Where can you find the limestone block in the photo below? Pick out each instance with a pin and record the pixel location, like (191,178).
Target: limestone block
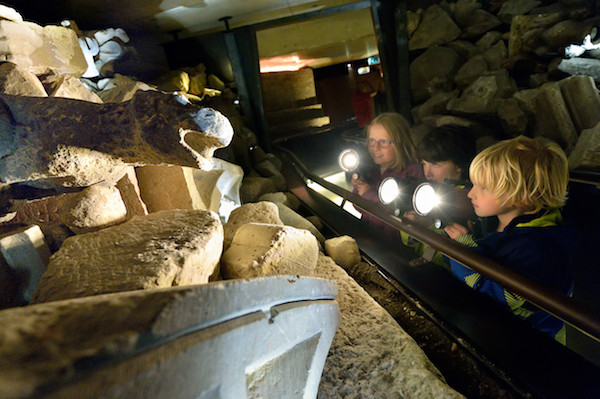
(567,32)
(495,56)
(581,66)
(523,27)
(370,353)
(553,120)
(17,42)
(286,198)
(10,14)
(198,82)
(41,210)
(481,96)
(291,218)
(478,23)
(436,28)
(104,35)
(343,250)
(512,118)
(162,249)
(19,81)
(174,81)
(464,48)
(25,253)
(285,89)
(52,151)
(510,8)
(165,187)
(260,249)
(470,71)
(433,72)
(255,186)
(488,40)
(93,208)
(144,343)
(215,82)
(108,51)
(583,100)
(267,169)
(129,188)
(527,100)
(463,9)
(435,105)
(257,212)
(228,184)
(70,87)
(586,153)
(121,88)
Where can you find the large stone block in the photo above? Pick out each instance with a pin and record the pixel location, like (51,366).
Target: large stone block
(174,343)
(553,120)
(260,249)
(18,81)
(47,147)
(162,249)
(258,212)
(371,356)
(343,250)
(26,254)
(586,153)
(583,100)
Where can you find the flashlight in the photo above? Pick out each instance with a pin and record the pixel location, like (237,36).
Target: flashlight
(445,202)
(349,160)
(397,192)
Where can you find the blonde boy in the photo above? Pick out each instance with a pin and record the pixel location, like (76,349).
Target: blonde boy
(523,183)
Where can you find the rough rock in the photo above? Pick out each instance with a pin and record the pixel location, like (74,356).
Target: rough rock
(583,100)
(370,354)
(19,81)
(436,28)
(433,72)
(343,251)
(257,212)
(586,153)
(93,208)
(70,87)
(162,249)
(253,187)
(260,249)
(47,145)
(294,219)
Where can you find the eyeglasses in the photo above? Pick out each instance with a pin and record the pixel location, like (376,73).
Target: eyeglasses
(380,143)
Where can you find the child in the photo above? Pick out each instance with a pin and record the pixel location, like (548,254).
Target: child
(522,182)
(445,152)
(394,154)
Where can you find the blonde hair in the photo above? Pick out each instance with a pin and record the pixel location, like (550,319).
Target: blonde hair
(398,128)
(522,171)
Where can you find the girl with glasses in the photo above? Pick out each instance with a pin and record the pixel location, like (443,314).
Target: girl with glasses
(394,154)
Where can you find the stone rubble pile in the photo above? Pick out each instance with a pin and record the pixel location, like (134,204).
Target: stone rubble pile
(503,68)
(116,204)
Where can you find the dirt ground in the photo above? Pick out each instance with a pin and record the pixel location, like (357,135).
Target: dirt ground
(463,371)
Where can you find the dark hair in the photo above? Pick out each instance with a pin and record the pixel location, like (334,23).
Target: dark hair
(449,143)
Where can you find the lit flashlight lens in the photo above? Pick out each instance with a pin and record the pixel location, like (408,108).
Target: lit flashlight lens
(388,190)
(348,160)
(425,199)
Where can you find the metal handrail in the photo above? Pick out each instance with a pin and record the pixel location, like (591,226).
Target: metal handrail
(560,306)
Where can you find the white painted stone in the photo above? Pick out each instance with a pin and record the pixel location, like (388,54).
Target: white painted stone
(290,322)
(260,249)
(371,356)
(89,48)
(258,212)
(26,253)
(343,250)
(162,249)
(94,207)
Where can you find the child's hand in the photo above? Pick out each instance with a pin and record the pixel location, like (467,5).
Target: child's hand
(360,185)
(455,230)
(414,218)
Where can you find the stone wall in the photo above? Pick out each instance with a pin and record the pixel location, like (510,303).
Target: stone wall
(503,68)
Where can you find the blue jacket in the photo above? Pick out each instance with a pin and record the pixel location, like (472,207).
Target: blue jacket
(539,247)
